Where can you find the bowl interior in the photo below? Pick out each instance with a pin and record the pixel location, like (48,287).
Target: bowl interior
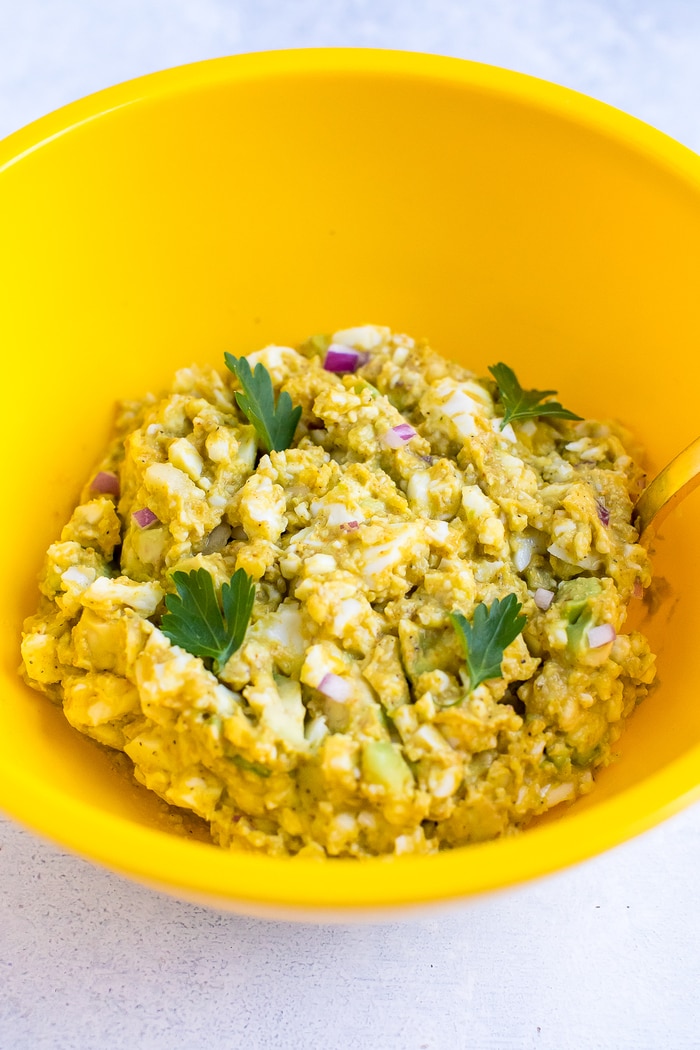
(261,199)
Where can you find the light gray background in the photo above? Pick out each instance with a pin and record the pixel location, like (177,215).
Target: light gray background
(603,956)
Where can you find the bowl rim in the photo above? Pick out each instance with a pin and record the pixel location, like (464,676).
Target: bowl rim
(204,872)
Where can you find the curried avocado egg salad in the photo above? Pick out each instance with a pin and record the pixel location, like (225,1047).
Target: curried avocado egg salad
(350,599)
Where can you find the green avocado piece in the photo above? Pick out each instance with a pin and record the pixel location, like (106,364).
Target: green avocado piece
(578,590)
(315,346)
(250,767)
(382,764)
(149,545)
(576,605)
(425,649)
(364,385)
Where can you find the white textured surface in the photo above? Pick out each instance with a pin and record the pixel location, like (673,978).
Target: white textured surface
(640,55)
(604,956)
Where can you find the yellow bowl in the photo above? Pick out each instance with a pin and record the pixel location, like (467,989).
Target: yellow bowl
(264,197)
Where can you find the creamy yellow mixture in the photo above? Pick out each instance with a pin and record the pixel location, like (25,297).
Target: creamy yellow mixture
(361,551)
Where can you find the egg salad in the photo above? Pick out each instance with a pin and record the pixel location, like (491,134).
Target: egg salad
(350,599)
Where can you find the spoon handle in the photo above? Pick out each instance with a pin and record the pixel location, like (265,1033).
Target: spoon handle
(676,481)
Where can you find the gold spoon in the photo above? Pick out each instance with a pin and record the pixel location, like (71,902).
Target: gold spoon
(676,481)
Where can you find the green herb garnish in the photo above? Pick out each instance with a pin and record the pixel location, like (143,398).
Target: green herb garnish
(274,423)
(524,404)
(195,620)
(484,639)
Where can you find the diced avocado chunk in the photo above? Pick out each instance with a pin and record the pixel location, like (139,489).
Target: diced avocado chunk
(576,605)
(149,545)
(425,649)
(315,346)
(577,631)
(364,385)
(382,764)
(579,590)
(249,767)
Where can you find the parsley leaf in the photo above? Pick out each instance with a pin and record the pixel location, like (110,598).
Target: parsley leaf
(484,639)
(524,404)
(194,619)
(275,424)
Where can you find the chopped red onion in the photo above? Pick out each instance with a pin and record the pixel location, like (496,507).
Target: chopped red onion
(601,635)
(335,688)
(106,483)
(144,517)
(543,598)
(398,436)
(603,513)
(349,526)
(638,589)
(344,359)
